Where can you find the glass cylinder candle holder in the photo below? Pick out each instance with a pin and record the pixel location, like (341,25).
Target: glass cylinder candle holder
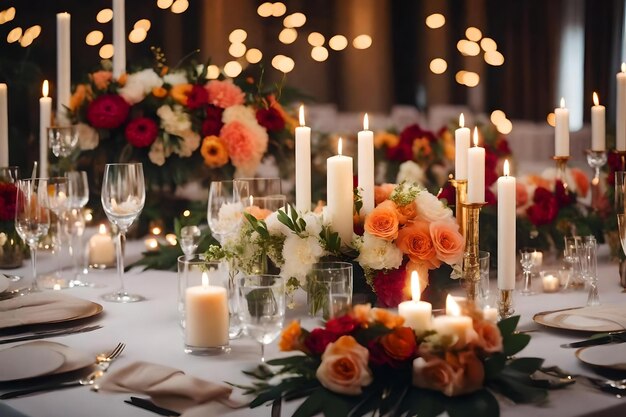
(203,306)
(550,280)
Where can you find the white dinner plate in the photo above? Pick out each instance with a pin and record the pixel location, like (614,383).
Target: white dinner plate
(25,361)
(567,320)
(612,356)
(4,283)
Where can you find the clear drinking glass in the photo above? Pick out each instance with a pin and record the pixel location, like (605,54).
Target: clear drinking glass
(262,187)
(32,217)
(75,221)
(123,197)
(261,207)
(572,255)
(589,264)
(62,140)
(262,307)
(329,288)
(526,260)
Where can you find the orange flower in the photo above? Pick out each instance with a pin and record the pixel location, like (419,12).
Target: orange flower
(447,240)
(164,70)
(290,122)
(387,318)
(81,93)
(421,147)
(159,92)
(414,240)
(344,367)
(386,139)
(102,79)
(361,313)
(471,372)
(122,79)
(432,372)
(407,212)
(400,344)
(449,149)
(290,337)
(539,181)
(179,92)
(383,222)
(581,180)
(214,152)
(258,212)
(383,192)
(489,336)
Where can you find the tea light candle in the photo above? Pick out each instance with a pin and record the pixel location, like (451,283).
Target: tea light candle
(537,258)
(101,248)
(550,283)
(453,323)
(417,314)
(206,315)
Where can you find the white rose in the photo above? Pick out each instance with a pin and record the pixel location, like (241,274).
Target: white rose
(139,85)
(430,209)
(313,223)
(175,78)
(410,172)
(299,254)
(275,227)
(88,137)
(378,253)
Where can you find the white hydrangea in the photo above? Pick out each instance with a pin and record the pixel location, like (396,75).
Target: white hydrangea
(88,137)
(173,119)
(139,85)
(300,254)
(275,227)
(410,172)
(378,253)
(314,223)
(430,208)
(174,78)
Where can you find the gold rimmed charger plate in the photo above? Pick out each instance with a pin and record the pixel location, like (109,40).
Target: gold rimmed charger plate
(611,356)
(549,319)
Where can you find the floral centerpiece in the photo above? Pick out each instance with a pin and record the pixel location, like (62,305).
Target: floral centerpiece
(367,362)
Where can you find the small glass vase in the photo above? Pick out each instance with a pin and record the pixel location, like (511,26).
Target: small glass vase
(329,289)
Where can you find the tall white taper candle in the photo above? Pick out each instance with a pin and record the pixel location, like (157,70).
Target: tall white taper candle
(45,111)
(366,166)
(64,67)
(119,38)
(561,130)
(303,165)
(476,176)
(340,197)
(506,230)
(461,145)
(4,126)
(598,125)
(620,109)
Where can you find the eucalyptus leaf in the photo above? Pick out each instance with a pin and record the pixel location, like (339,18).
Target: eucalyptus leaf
(514,343)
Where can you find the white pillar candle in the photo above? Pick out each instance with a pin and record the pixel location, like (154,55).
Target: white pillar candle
(366,166)
(453,324)
(119,38)
(303,165)
(461,145)
(620,109)
(64,68)
(340,195)
(4,126)
(598,125)
(101,248)
(506,230)
(561,130)
(476,176)
(45,112)
(417,314)
(206,315)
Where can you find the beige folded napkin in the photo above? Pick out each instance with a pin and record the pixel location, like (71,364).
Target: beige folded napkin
(42,307)
(611,312)
(168,387)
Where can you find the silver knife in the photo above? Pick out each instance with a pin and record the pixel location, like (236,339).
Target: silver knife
(49,333)
(617,337)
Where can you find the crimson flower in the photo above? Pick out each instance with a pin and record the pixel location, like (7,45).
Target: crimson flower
(212,125)
(389,287)
(8,195)
(545,207)
(141,132)
(109,111)
(197,97)
(562,194)
(270,119)
(318,340)
(341,325)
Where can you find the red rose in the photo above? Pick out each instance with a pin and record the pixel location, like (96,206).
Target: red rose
(212,125)
(108,111)
(341,325)
(141,132)
(502,146)
(449,194)
(563,196)
(389,287)
(378,357)
(197,97)
(8,195)
(403,151)
(545,207)
(318,340)
(270,119)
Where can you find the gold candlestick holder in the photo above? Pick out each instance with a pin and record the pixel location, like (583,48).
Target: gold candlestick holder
(561,166)
(461,197)
(505,304)
(471,257)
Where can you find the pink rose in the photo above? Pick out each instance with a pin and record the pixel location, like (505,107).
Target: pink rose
(436,374)
(448,242)
(344,367)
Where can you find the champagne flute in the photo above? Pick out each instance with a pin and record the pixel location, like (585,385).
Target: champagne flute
(32,217)
(123,197)
(262,307)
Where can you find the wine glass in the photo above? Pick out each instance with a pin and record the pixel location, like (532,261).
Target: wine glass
(123,197)
(263,187)
(32,217)
(262,307)
(189,239)
(78,186)
(527,261)
(62,140)
(57,202)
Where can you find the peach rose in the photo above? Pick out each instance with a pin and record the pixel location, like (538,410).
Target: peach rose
(407,212)
(447,240)
(344,367)
(489,337)
(383,192)
(581,181)
(387,318)
(258,212)
(383,222)
(362,313)
(436,374)
(472,375)
(415,241)
(521,195)
(399,344)
(290,337)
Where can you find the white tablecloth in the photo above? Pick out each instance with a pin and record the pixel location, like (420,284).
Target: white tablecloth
(151,332)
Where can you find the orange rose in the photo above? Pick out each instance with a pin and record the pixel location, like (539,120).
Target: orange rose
(81,93)
(387,318)
(472,372)
(436,374)
(415,241)
(521,194)
(400,344)
(581,181)
(362,313)
(407,212)
(447,240)
(122,79)
(383,222)
(179,92)
(383,192)
(258,212)
(159,92)
(386,139)
(344,367)
(290,337)
(489,337)
(102,79)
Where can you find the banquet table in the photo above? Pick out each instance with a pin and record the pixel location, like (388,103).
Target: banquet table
(152,333)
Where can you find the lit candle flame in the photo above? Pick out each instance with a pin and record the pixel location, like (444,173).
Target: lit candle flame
(156,230)
(461,120)
(623,66)
(102,229)
(415,286)
(302,115)
(205,279)
(366,122)
(506,168)
(562,102)
(452,307)
(45,88)
(339,147)
(596,100)
(153,244)
(475,136)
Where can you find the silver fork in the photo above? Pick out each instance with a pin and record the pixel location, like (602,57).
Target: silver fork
(103,361)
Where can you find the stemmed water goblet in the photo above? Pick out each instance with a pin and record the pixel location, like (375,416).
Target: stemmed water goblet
(527,261)
(123,197)
(32,217)
(262,307)
(62,140)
